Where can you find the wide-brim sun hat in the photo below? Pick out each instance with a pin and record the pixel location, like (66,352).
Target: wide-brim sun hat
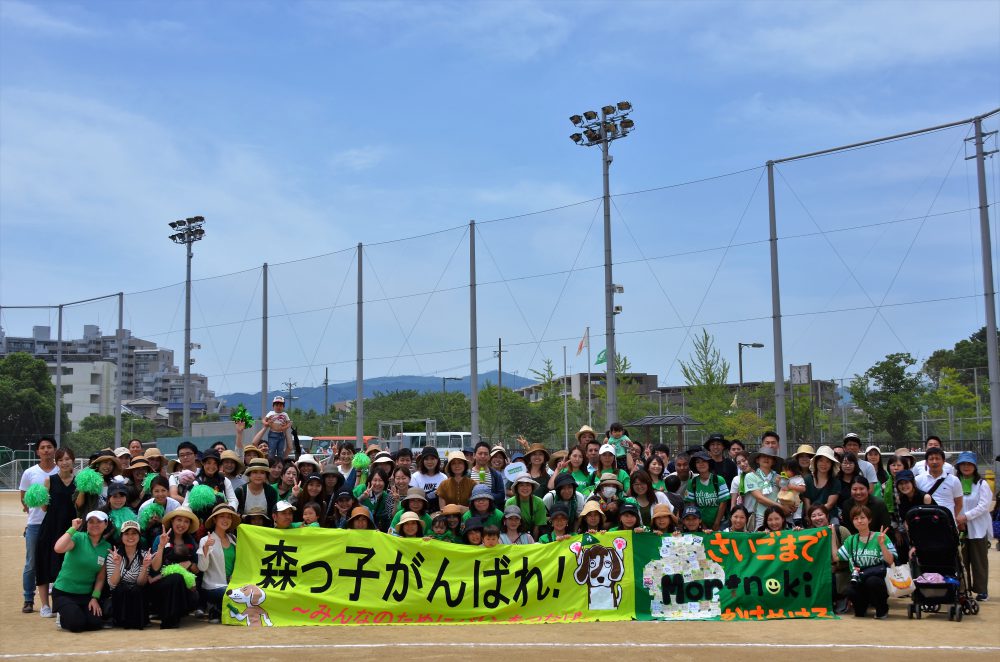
(523,478)
(538,448)
(804,449)
(555,458)
(182,511)
(716,437)
(827,452)
(511,511)
(583,430)
(457,456)
(410,516)
(361,511)
(452,509)
(499,450)
(414,493)
(766,451)
(106,455)
(564,479)
(257,464)
(307,458)
(661,510)
(138,462)
(610,479)
(223,509)
(253,450)
(966,457)
(481,491)
(591,507)
(231,455)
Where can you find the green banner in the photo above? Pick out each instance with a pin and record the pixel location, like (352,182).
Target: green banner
(313,576)
(733,576)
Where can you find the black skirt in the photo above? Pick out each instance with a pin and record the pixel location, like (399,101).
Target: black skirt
(128,606)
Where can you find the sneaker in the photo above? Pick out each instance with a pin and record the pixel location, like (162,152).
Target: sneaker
(28,607)
(881,616)
(198,613)
(982,597)
(46,612)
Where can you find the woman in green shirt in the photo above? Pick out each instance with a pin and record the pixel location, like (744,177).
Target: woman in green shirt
(77,591)
(533,511)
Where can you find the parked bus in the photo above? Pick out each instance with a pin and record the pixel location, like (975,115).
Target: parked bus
(445,441)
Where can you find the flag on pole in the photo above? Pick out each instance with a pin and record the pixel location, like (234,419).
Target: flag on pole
(602,357)
(584,342)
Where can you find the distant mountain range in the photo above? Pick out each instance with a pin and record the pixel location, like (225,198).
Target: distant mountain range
(311,397)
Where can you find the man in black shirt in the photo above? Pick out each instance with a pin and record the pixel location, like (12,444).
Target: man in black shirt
(719,463)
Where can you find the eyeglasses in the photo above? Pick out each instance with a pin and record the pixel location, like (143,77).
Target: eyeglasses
(185,454)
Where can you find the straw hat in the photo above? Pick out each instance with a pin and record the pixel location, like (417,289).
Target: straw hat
(106,455)
(257,464)
(138,462)
(373,448)
(557,457)
(827,452)
(361,511)
(804,449)
(591,507)
(457,456)
(537,448)
(414,493)
(231,455)
(182,511)
(583,429)
(453,509)
(410,516)
(253,450)
(499,450)
(222,509)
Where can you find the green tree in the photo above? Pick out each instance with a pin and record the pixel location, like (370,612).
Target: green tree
(890,394)
(97,432)
(966,354)
(27,401)
(953,400)
(706,374)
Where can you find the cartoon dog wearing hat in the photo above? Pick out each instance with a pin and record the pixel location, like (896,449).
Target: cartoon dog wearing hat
(600,568)
(250,595)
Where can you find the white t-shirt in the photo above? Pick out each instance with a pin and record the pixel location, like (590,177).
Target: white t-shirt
(921,468)
(171,504)
(35,476)
(945,494)
(428,483)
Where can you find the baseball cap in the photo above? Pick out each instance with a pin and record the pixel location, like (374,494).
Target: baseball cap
(690,511)
(278,399)
(282,506)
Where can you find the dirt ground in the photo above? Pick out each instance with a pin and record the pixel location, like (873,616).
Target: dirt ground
(25,636)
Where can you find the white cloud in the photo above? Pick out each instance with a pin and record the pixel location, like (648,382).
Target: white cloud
(359,158)
(828,38)
(35,18)
(517,30)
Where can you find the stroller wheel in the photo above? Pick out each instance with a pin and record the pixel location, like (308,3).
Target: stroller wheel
(951,613)
(919,610)
(973,607)
(958,615)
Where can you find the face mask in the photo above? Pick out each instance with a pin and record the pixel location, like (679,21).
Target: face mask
(609,492)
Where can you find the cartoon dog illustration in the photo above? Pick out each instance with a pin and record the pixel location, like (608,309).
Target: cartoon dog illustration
(250,595)
(600,568)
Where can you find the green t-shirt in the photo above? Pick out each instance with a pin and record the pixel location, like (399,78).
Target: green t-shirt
(81,565)
(229,554)
(424,517)
(768,486)
(533,512)
(619,444)
(861,554)
(708,497)
(494,519)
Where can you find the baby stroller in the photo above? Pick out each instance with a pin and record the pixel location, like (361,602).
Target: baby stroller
(935,540)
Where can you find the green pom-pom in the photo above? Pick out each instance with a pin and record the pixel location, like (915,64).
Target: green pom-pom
(149,512)
(174,569)
(89,481)
(120,516)
(147,481)
(36,496)
(241,414)
(201,496)
(361,461)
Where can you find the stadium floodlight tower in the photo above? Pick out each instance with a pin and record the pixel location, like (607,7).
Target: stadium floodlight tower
(187,232)
(612,123)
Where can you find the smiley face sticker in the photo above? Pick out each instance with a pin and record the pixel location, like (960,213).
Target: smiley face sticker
(772,586)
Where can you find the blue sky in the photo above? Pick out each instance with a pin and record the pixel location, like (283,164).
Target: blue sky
(302,128)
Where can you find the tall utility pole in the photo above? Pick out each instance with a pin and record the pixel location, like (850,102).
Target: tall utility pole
(612,123)
(326,394)
(187,232)
(59,369)
(289,385)
(263,344)
(359,404)
(122,353)
(989,294)
(779,358)
(499,354)
(473,338)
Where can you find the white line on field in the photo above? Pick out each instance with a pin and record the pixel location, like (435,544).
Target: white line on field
(499,644)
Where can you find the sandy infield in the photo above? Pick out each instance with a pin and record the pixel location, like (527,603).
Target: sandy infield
(24,636)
